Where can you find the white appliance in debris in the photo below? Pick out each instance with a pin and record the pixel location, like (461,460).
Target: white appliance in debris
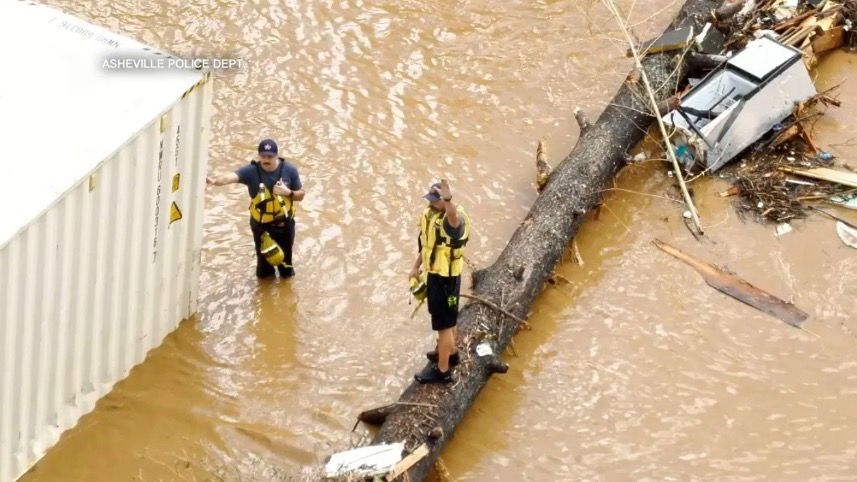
(737,103)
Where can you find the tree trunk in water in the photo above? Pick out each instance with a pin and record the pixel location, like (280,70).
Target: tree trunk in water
(728,9)
(698,61)
(518,275)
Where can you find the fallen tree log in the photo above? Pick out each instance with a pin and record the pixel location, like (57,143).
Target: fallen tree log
(518,275)
(700,61)
(728,9)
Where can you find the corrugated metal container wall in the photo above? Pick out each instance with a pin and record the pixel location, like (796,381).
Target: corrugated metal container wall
(107,269)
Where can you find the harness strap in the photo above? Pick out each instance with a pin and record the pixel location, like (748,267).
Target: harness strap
(291,212)
(430,219)
(286,215)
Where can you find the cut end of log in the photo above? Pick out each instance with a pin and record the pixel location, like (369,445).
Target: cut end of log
(495,365)
(435,433)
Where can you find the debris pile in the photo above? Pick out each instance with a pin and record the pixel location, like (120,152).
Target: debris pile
(736,110)
(765,180)
(768,191)
(812,26)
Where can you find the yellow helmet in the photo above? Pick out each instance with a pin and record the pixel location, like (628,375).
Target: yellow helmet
(271,250)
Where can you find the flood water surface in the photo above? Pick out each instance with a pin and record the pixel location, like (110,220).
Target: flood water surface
(634,369)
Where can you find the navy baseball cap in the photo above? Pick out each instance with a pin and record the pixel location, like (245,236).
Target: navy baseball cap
(434,193)
(268,148)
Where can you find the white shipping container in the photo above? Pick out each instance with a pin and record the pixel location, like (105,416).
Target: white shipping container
(101,204)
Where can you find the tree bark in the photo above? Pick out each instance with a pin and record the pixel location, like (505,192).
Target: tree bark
(696,60)
(728,9)
(574,188)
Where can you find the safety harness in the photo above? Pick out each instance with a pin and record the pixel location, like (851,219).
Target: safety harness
(266,208)
(441,254)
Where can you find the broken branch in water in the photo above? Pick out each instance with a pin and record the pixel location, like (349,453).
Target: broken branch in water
(582,120)
(578,259)
(739,289)
(654,106)
(543,169)
(489,304)
(376,416)
(833,216)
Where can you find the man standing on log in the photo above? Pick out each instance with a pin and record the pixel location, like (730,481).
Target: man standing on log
(444,230)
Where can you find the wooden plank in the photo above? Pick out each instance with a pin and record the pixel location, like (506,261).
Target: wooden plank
(825,174)
(408,462)
(829,40)
(786,135)
(798,36)
(793,22)
(739,289)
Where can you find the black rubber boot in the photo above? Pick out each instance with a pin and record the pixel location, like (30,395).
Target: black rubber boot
(264,270)
(454,359)
(286,272)
(431,374)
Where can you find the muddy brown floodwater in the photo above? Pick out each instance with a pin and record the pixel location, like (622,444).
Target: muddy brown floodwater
(634,369)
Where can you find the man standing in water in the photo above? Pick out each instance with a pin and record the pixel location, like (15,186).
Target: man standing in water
(274,186)
(444,230)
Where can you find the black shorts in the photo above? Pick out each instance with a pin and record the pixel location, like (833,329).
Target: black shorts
(443,300)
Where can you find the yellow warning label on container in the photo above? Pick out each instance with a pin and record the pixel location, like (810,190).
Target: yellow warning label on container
(175,213)
(177,179)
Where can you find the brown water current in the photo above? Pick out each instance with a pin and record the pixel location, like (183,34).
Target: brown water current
(634,369)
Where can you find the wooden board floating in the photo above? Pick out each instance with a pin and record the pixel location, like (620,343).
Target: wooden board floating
(739,289)
(845,178)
